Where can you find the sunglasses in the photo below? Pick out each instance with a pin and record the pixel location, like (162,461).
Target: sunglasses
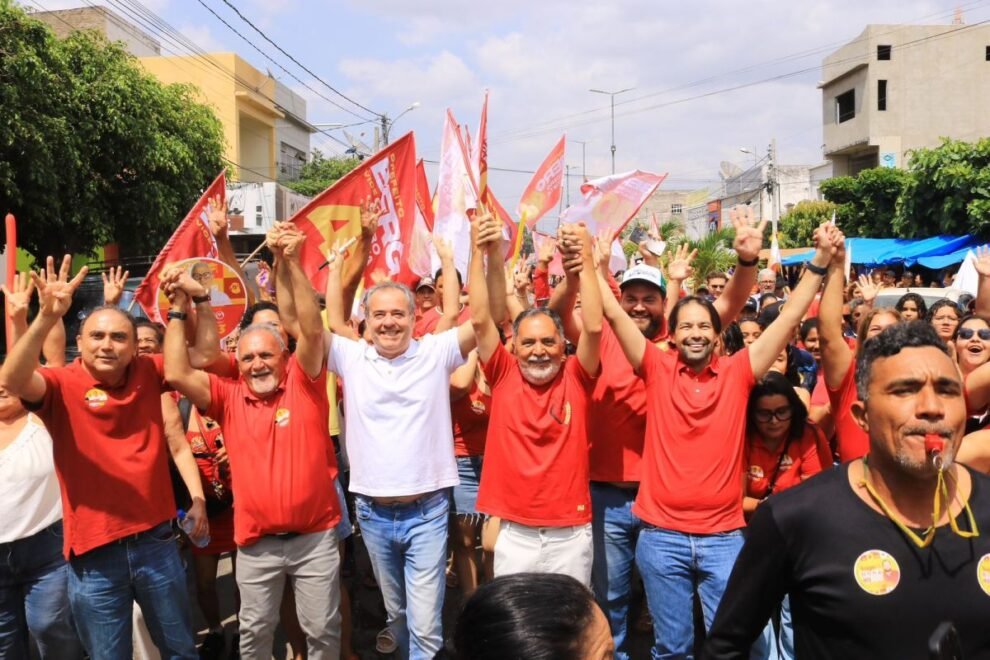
(763,415)
(967,333)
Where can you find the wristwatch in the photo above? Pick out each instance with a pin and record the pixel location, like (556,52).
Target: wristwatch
(750,263)
(173,314)
(821,271)
(199,300)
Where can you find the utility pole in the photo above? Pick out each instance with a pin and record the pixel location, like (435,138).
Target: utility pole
(567,173)
(584,161)
(773,186)
(384,119)
(613,95)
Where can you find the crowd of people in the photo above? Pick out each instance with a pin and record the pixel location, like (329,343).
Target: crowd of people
(551,441)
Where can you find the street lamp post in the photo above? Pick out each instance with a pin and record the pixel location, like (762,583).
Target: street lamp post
(387,123)
(584,162)
(613,95)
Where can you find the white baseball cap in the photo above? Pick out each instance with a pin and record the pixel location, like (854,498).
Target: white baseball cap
(644,273)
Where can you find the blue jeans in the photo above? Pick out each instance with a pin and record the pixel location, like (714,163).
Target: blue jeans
(104,582)
(614,529)
(673,565)
(33,597)
(776,643)
(407,545)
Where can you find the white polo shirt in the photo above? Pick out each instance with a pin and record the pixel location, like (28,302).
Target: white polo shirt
(397,414)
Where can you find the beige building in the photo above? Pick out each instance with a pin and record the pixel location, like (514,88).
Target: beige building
(64,22)
(900,87)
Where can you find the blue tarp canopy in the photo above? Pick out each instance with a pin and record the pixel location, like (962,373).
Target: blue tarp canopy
(935,252)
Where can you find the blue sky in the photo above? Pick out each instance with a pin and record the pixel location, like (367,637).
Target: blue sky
(540,58)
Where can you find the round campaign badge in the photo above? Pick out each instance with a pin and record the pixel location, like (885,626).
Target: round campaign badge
(228,297)
(983,573)
(877,573)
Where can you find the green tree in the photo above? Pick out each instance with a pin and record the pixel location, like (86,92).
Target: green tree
(797,227)
(92,149)
(867,203)
(948,192)
(715,253)
(321,172)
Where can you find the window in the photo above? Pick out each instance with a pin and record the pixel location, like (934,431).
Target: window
(883,52)
(881,95)
(845,106)
(676,209)
(988,54)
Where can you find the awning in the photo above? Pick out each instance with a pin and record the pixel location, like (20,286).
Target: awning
(935,252)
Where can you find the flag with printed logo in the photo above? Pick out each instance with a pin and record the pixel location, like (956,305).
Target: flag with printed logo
(611,201)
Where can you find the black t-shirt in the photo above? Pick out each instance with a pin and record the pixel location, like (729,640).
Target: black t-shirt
(859,588)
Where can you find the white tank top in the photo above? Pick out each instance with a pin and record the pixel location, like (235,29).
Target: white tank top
(30,499)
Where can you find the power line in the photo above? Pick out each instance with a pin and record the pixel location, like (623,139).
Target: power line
(297,62)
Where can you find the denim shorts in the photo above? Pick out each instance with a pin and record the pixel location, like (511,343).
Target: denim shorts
(464,501)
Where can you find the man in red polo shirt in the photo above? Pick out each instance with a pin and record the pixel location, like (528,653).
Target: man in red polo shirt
(617,417)
(105,417)
(282,465)
(536,454)
(689,496)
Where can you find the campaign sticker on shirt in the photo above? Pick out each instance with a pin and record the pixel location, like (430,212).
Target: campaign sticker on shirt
(755,472)
(478,407)
(228,297)
(282,416)
(983,573)
(95,398)
(876,572)
(786,461)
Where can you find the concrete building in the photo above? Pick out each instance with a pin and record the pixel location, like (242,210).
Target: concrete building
(292,132)
(900,87)
(64,22)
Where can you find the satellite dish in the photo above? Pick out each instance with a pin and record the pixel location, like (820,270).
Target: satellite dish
(358,148)
(728,170)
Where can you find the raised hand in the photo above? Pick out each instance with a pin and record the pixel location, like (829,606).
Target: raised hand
(371,211)
(489,230)
(544,251)
(603,247)
(18,299)
(574,244)
(216,215)
(178,284)
(114,281)
(749,234)
(291,242)
(521,279)
(273,239)
(982,261)
(444,250)
(55,291)
(679,267)
(867,289)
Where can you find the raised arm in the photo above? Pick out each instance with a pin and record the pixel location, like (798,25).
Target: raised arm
(678,269)
(836,354)
(205,349)
(495,275)
(982,264)
(310,348)
(765,350)
(283,279)
(114,281)
(192,383)
(353,269)
(451,303)
(216,215)
(630,338)
(747,244)
(17,301)
(483,230)
(336,316)
(578,256)
(19,375)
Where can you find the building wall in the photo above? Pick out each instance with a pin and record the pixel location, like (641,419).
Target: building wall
(100,19)
(938,85)
(292,132)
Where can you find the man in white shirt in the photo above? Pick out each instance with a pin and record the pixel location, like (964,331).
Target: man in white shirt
(401,452)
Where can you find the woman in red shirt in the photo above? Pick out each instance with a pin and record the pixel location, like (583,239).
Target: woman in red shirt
(783,449)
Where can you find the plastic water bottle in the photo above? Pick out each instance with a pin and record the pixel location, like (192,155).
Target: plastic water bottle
(188,525)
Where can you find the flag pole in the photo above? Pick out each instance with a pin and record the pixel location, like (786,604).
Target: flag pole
(519,240)
(253,254)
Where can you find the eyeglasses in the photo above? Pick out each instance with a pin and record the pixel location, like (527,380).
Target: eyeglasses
(763,415)
(967,333)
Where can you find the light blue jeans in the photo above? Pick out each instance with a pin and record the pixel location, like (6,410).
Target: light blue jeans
(614,529)
(673,565)
(776,643)
(34,597)
(104,582)
(407,545)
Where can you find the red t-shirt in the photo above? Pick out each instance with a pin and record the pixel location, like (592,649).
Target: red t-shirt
(800,462)
(695,433)
(536,456)
(541,286)
(281,458)
(851,441)
(617,417)
(110,452)
(427,323)
(470,415)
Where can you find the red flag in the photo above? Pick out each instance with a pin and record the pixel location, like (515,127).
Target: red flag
(543,191)
(192,238)
(479,151)
(612,201)
(456,193)
(423,200)
(334,215)
(509,226)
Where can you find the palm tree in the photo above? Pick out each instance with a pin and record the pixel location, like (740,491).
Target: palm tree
(714,254)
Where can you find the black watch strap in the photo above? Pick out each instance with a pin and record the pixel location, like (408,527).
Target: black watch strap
(821,271)
(750,263)
(199,300)
(172,314)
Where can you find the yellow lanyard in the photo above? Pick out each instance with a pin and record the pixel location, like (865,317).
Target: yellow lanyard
(940,488)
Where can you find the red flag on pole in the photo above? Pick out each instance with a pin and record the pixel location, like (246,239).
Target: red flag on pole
(335,214)
(612,201)
(423,200)
(192,238)
(479,151)
(543,191)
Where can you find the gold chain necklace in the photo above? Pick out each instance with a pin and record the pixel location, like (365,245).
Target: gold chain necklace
(940,489)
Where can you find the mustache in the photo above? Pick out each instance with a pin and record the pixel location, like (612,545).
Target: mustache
(538,360)
(942,431)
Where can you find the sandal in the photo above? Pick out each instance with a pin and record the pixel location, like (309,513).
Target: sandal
(385,642)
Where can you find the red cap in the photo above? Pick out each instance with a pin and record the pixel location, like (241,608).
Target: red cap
(934,443)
